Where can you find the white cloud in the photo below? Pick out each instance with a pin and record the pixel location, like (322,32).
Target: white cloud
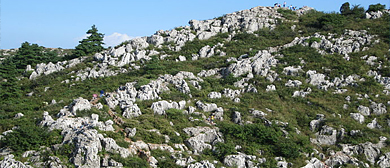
(115,39)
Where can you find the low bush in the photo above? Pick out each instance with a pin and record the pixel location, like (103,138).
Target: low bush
(30,137)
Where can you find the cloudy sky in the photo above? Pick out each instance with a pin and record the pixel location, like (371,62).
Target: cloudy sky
(62,23)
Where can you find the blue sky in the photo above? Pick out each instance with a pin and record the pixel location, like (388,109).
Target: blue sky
(62,23)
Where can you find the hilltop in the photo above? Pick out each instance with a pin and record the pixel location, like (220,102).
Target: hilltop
(263,87)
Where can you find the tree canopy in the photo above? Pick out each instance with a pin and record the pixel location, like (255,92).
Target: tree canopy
(92,44)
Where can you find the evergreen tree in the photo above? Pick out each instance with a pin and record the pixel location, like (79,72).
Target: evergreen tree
(92,44)
(345,9)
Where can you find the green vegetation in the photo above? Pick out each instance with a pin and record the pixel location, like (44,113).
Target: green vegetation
(270,140)
(30,137)
(92,44)
(377,7)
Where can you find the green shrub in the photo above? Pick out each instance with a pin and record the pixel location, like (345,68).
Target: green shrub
(30,137)
(377,7)
(313,39)
(288,14)
(131,162)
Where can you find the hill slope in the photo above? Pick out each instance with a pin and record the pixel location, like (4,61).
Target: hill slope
(262,87)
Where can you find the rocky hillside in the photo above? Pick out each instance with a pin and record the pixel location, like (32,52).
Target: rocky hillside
(264,87)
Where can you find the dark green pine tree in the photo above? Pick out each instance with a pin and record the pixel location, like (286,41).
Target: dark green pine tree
(92,44)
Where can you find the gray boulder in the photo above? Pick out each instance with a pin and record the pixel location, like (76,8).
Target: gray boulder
(293,83)
(79,104)
(202,138)
(384,161)
(314,163)
(202,164)
(364,110)
(160,106)
(378,108)
(214,95)
(326,136)
(9,161)
(358,117)
(236,118)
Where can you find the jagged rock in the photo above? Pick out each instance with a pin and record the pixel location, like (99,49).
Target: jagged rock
(314,163)
(160,106)
(326,136)
(202,164)
(110,145)
(184,161)
(302,93)
(364,110)
(293,83)
(236,118)
(384,161)
(130,132)
(242,160)
(230,93)
(378,108)
(270,88)
(54,162)
(108,162)
(314,124)
(206,107)
(358,117)
(374,15)
(292,71)
(257,113)
(9,161)
(370,151)
(202,138)
(318,79)
(18,115)
(214,95)
(79,104)
(208,73)
(374,124)
(131,110)
(340,158)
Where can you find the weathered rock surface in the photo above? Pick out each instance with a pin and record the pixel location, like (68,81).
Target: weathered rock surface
(242,160)
(202,138)
(9,161)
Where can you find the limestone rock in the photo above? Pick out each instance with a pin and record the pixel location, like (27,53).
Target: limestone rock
(374,124)
(202,164)
(293,83)
(326,136)
(202,137)
(364,110)
(214,95)
(160,106)
(292,71)
(242,160)
(378,108)
(358,117)
(236,118)
(315,163)
(130,132)
(384,161)
(9,161)
(79,104)
(270,88)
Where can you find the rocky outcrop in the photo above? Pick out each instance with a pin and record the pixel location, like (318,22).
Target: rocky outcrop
(202,164)
(242,160)
(9,161)
(326,136)
(46,69)
(314,163)
(377,14)
(202,138)
(160,106)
